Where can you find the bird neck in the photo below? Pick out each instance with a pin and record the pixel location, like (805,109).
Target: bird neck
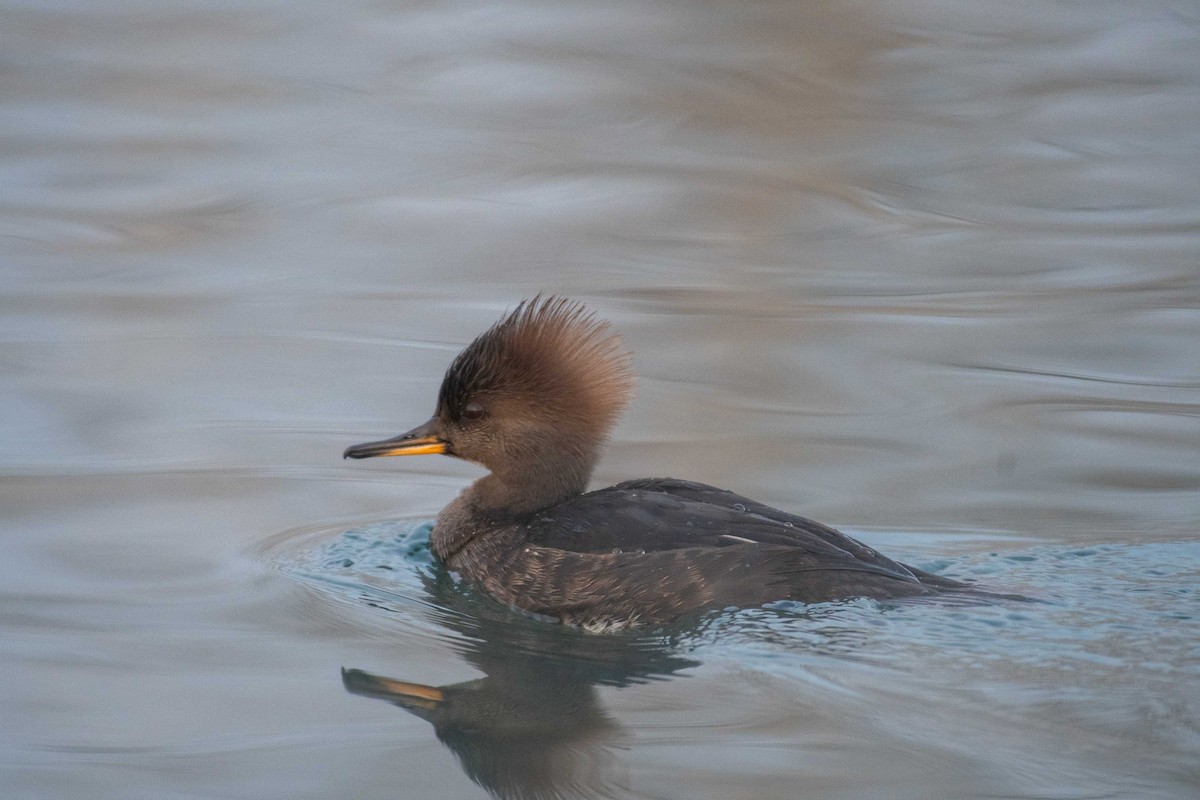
(525,488)
(524,483)
(465,534)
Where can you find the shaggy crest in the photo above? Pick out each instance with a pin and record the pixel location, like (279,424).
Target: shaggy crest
(550,353)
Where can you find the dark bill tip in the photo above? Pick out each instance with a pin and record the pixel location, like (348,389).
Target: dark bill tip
(419,441)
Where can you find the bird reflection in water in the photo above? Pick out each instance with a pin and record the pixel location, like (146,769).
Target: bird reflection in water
(516,739)
(534,726)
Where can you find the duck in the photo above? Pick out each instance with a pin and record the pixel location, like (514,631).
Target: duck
(533,400)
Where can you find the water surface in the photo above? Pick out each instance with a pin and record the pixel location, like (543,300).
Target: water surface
(924,271)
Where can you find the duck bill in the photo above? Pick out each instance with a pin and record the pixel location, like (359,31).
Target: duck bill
(420,441)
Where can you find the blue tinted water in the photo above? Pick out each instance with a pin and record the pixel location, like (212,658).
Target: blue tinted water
(1108,658)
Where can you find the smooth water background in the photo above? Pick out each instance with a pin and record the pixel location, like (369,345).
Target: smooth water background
(928,271)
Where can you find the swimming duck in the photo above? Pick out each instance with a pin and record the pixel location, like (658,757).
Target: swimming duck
(533,399)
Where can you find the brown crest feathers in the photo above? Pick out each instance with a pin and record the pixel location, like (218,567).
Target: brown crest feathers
(550,353)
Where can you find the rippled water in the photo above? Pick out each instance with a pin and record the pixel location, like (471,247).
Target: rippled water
(925,271)
(915,686)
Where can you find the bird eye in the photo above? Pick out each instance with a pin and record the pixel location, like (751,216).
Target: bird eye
(472,411)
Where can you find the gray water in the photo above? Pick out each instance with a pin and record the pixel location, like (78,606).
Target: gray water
(926,271)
